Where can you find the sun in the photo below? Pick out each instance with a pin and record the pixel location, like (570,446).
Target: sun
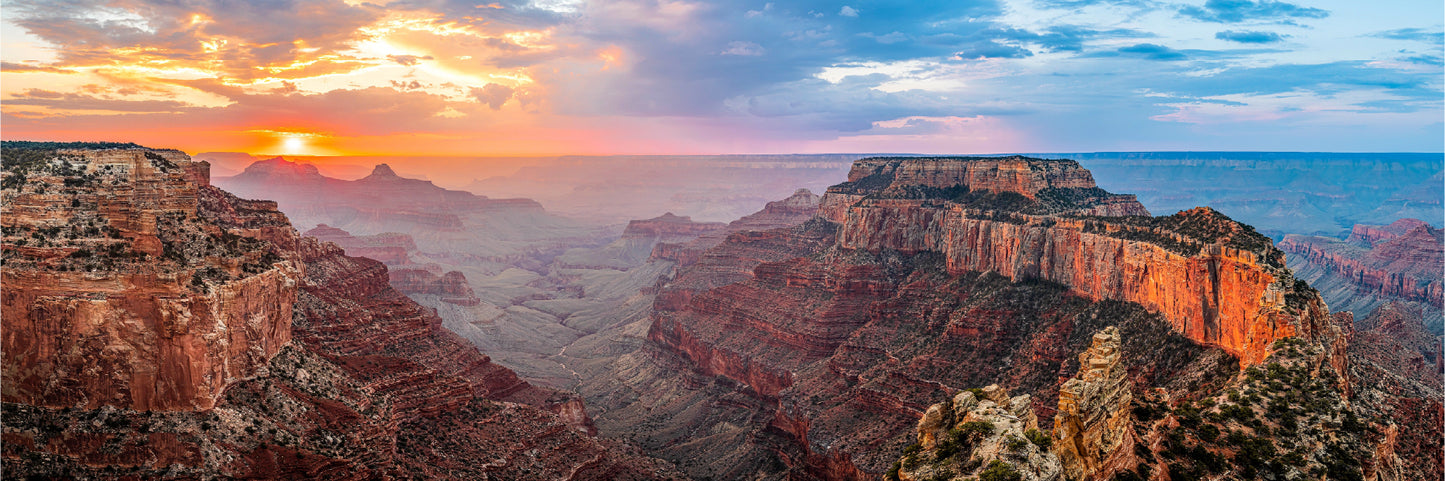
(293,145)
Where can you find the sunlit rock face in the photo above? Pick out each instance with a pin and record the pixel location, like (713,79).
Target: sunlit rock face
(1094,408)
(132,283)
(1217,281)
(898,294)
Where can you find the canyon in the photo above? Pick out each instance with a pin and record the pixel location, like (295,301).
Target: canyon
(926,318)
(283,356)
(794,334)
(1374,266)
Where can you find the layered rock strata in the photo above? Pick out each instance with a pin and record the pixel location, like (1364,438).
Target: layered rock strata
(392,249)
(121,291)
(791,211)
(369,386)
(451,288)
(1034,179)
(1216,281)
(902,293)
(836,352)
(669,228)
(1094,407)
(1398,365)
(1374,266)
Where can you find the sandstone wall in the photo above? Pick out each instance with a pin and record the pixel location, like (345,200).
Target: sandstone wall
(1002,174)
(1222,296)
(1409,272)
(146,335)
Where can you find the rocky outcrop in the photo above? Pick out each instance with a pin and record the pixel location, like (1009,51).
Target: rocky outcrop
(1054,181)
(1093,420)
(788,212)
(669,228)
(1017,174)
(119,291)
(451,288)
(1374,266)
(790,327)
(1217,281)
(791,211)
(369,385)
(976,431)
(1398,364)
(901,294)
(391,248)
(1371,235)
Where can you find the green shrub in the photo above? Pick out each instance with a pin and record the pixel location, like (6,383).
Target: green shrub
(1014,443)
(977,429)
(1039,439)
(892,474)
(1000,471)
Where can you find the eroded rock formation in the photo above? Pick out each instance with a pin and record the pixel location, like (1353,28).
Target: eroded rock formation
(669,228)
(451,288)
(354,381)
(1215,280)
(1398,364)
(788,212)
(1374,266)
(977,431)
(1094,408)
(902,293)
(391,248)
(120,290)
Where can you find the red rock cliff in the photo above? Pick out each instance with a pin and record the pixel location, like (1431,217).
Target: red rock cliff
(1379,262)
(259,354)
(669,228)
(105,304)
(1224,285)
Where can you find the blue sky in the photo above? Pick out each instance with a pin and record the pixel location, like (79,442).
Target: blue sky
(645,76)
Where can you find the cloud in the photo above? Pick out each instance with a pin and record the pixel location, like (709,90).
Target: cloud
(1417,34)
(494,95)
(890,38)
(20,67)
(70,101)
(989,49)
(1079,4)
(1236,11)
(1249,36)
(1325,79)
(747,49)
(408,60)
(236,37)
(1153,52)
(803,69)
(1068,38)
(1425,59)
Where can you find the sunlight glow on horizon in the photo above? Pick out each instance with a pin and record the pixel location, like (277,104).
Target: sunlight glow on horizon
(559,77)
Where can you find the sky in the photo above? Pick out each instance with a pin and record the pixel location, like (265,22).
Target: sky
(548,77)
